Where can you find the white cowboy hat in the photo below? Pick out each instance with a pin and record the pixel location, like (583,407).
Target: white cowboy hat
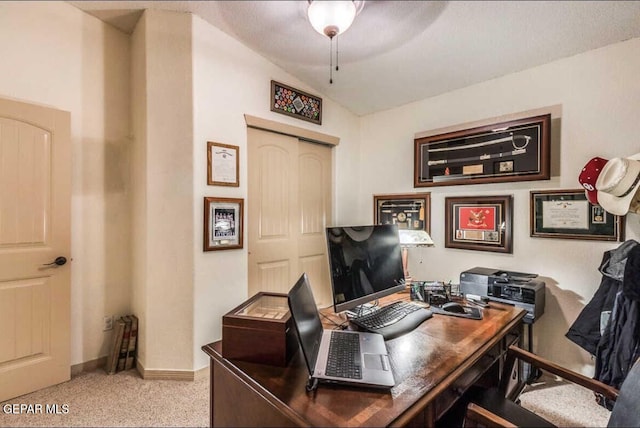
(618,183)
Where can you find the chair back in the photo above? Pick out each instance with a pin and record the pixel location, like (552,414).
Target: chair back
(626,411)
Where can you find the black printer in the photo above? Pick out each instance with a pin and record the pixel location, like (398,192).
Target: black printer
(515,288)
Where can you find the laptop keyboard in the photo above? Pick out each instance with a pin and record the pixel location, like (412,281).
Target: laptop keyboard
(344,356)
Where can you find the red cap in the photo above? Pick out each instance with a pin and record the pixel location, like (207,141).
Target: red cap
(588,178)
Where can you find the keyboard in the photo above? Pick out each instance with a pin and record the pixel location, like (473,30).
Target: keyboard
(394,319)
(344,356)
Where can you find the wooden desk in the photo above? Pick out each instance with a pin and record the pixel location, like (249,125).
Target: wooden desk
(433,366)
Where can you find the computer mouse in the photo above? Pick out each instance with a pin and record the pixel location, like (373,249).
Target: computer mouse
(454,307)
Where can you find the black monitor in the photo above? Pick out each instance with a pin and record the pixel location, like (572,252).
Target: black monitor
(365,263)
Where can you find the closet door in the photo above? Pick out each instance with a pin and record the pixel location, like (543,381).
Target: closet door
(289,205)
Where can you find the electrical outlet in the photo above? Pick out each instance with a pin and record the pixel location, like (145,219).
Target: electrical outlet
(107,323)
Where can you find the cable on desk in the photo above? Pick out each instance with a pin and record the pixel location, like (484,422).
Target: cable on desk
(312,384)
(364,310)
(340,326)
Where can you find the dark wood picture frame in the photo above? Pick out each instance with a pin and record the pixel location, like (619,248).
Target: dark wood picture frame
(568,214)
(295,103)
(483,223)
(409,211)
(223,164)
(223,223)
(517,150)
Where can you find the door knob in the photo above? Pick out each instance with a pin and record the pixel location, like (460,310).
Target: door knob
(58,261)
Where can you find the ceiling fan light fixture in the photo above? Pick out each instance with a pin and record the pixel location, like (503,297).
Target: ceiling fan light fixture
(331,18)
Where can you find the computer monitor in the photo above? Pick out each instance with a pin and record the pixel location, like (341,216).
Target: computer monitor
(365,263)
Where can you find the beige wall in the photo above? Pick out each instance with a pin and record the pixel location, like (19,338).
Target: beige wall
(162,206)
(55,55)
(229,81)
(596,112)
(139,166)
(139,180)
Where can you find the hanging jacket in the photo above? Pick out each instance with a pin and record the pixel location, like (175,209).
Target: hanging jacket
(619,346)
(586,329)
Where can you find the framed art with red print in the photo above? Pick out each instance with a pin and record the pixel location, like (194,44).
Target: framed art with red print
(482,223)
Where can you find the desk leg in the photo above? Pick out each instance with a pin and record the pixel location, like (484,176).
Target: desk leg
(534,373)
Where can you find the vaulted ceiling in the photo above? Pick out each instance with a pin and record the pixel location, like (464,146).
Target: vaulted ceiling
(397,52)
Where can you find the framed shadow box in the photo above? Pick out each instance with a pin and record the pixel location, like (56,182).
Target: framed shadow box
(223,220)
(568,214)
(295,103)
(518,150)
(409,211)
(483,223)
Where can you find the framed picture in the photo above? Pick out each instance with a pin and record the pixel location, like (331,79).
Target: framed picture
(411,211)
(483,223)
(518,150)
(569,214)
(223,164)
(223,219)
(295,103)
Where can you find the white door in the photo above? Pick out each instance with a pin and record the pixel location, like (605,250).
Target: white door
(35,201)
(289,206)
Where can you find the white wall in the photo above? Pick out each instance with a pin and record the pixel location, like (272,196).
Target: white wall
(55,55)
(229,81)
(596,97)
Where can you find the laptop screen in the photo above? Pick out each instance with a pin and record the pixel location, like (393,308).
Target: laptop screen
(306,320)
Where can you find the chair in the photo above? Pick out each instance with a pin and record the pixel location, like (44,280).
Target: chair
(492,409)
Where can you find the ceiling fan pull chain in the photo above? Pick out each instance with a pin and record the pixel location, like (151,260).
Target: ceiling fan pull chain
(331,62)
(337,50)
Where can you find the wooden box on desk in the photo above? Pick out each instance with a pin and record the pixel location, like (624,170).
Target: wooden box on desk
(260,330)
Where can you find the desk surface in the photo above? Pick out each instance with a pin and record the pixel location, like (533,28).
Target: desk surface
(426,363)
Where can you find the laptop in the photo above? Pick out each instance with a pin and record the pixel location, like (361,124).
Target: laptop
(337,356)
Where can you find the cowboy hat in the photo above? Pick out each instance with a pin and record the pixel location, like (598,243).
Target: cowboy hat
(618,183)
(589,176)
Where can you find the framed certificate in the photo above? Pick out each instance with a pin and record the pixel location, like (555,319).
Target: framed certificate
(483,223)
(568,214)
(223,164)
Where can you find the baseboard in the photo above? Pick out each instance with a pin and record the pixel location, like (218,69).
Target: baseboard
(154,374)
(205,371)
(101,362)
(88,366)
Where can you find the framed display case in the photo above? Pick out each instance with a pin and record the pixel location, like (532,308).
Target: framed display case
(483,223)
(517,150)
(295,103)
(568,214)
(223,223)
(409,211)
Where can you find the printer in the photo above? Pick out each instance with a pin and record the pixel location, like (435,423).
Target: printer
(514,288)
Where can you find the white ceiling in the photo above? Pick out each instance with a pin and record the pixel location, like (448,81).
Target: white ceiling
(397,52)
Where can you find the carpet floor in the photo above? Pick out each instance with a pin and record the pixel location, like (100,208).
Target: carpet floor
(95,399)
